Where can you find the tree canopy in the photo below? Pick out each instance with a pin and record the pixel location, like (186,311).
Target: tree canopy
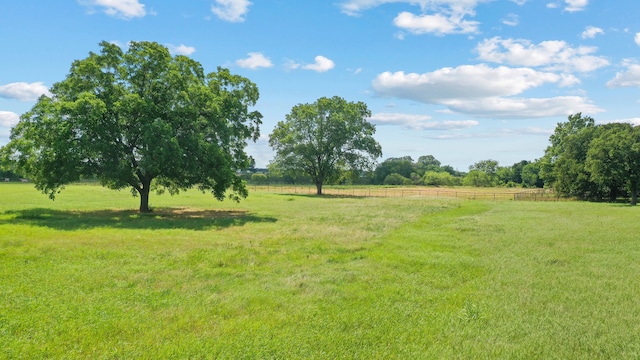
(324,139)
(613,160)
(593,162)
(402,166)
(138,119)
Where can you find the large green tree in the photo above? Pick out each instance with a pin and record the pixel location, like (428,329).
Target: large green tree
(613,159)
(563,165)
(138,119)
(592,161)
(324,139)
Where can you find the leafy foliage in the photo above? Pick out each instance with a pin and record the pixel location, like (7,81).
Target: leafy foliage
(564,161)
(440,178)
(593,162)
(488,167)
(478,178)
(259,179)
(324,140)
(396,179)
(613,159)
(402,166)
(130,118)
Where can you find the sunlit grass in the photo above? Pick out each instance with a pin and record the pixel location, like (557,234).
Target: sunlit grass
(298,276)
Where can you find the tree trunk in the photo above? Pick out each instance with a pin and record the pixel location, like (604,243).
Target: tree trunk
(144,199)
(319,188)
(634,197)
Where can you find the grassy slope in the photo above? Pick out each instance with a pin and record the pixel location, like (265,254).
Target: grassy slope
(283,276)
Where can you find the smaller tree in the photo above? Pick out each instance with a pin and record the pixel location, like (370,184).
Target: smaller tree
(259,179)
(563,165)
(482,174)
(324,139)
(440,178)
(478,178)
(396,179)
(488,167)
(505,176)
(427,163)
(531,175)
(402,165)
(517,171)
(613,159)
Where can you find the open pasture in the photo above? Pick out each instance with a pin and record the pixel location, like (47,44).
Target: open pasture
(294,276)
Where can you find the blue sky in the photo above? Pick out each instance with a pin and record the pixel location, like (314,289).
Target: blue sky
(463,80)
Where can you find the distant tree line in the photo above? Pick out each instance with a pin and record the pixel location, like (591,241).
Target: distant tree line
(584,161)
(426,171)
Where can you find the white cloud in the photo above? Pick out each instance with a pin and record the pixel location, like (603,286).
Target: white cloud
(632,121)
(439,24)
(531,131)
(291,65)
(511,20)
(497,133)
(125,9)
(568,80)
(231,10)
(8,119)
(576,5)
(23,91)
(636,38)
(627,78)
(181,49)
(519,2)
(254,61)
(591,31)
(355,7)
(437,16)
(571,5)
(524,108)
(466,81)
(552,55)
(483,91)
(419,122)
(321,64)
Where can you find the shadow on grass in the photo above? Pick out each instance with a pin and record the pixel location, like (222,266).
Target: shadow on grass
(160,218)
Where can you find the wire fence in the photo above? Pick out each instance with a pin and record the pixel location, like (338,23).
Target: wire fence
(526,195)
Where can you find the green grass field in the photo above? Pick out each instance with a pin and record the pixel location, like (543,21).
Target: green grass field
(302,277)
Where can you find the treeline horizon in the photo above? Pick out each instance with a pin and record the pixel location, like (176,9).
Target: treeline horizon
(584,161)
(425,171)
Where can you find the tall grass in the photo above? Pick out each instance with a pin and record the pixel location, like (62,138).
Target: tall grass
(297,276)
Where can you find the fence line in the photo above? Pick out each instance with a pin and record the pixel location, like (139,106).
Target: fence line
(527,195)
(538,195)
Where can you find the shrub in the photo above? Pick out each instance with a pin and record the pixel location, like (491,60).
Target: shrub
(396,179)
(439,178)
(478,179)
(259,179)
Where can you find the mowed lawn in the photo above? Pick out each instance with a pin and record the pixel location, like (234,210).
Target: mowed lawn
(304,277)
